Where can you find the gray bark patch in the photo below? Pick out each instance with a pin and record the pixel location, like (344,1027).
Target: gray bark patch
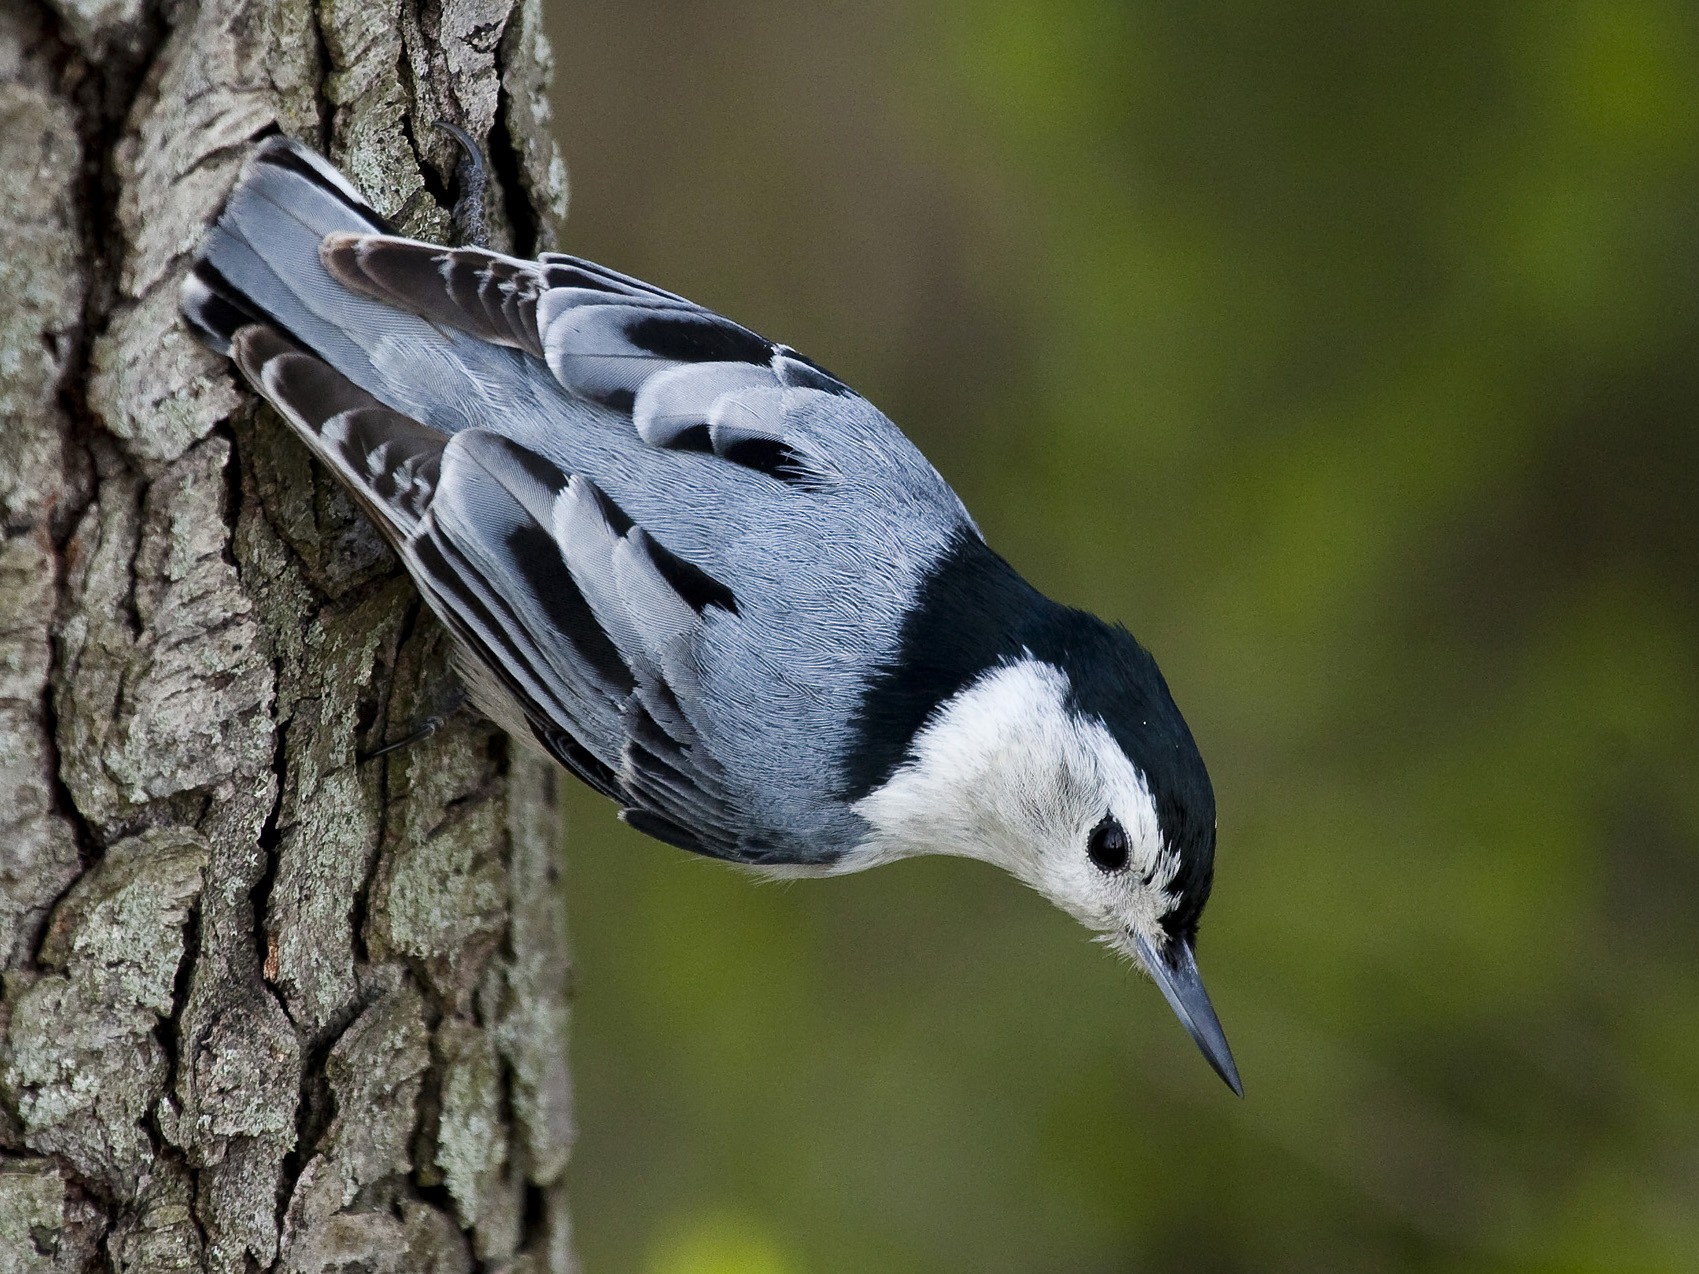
(266,1005)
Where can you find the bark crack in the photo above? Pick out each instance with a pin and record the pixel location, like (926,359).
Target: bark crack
(505,167)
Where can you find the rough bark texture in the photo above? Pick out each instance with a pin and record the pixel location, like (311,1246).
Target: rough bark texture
(266,1005)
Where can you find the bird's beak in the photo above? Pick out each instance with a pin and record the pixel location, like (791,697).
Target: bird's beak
(1176,972)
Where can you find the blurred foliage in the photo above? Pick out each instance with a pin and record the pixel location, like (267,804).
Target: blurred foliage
(1347,353)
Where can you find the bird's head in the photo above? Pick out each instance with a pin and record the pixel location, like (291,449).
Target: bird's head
(1069,766)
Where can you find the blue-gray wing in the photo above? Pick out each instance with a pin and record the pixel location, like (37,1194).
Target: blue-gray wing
(574,626)
(672,551)
(687,380)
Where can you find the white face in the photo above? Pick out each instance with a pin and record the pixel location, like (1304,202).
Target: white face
(1006,773)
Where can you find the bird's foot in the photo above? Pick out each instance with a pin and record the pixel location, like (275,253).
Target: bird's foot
(449,705)
(471,181)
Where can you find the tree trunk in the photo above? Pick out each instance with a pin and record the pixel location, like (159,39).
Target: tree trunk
(266,1005)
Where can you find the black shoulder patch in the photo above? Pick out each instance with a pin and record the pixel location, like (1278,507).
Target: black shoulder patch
(969,615)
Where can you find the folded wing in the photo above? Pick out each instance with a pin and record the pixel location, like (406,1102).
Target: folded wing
(575,626)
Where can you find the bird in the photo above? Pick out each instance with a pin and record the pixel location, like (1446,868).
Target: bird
(706,576)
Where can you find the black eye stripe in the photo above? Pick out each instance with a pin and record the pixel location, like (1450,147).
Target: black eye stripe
(1107,845)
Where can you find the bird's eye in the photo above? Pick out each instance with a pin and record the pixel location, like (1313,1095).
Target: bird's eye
(1107,845)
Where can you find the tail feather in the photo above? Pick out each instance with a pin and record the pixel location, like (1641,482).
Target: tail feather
(214,308)
(476,291)
(288,155)
(262,262)
(287,200)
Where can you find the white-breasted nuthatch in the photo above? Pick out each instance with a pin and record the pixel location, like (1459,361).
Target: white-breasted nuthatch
(707,577)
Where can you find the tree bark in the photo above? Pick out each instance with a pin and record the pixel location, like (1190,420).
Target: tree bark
(266,1006)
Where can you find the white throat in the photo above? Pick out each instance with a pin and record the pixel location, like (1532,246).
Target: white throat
(1005,772)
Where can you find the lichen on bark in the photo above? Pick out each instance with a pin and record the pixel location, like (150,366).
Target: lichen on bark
(265,1004)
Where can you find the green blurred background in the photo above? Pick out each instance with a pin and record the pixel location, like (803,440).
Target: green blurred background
(1346,353)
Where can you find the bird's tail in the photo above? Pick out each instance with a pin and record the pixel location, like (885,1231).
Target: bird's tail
(259,293)
(260,262)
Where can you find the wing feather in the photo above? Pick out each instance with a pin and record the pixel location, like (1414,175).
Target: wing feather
(599,643)
(388,460)
(689,379)
(483,294)
(574,625)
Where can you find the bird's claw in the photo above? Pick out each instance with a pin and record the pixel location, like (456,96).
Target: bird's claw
(425,729)
(472,180)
